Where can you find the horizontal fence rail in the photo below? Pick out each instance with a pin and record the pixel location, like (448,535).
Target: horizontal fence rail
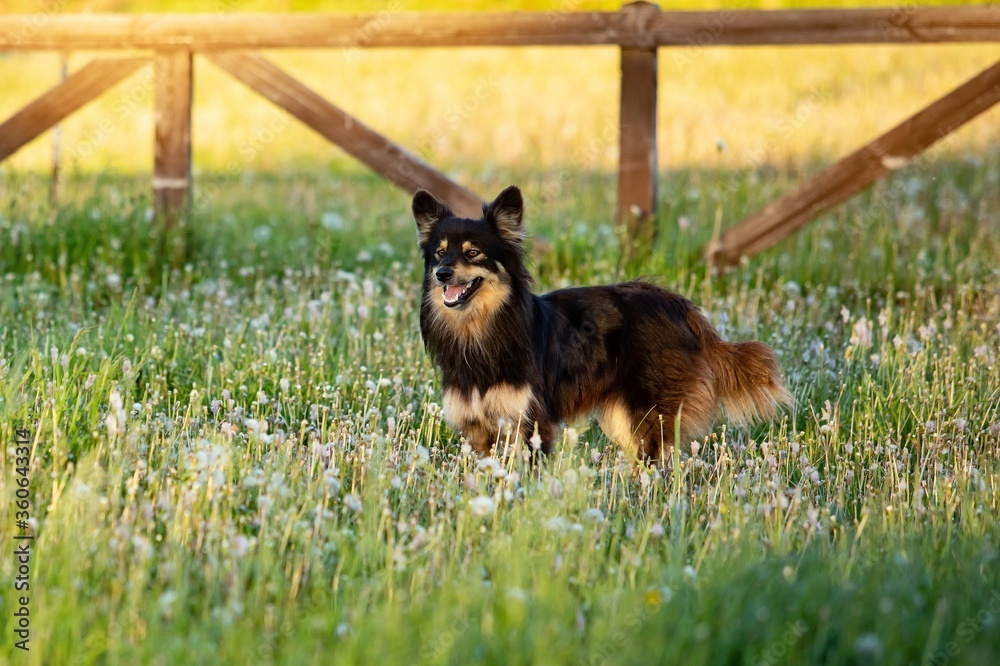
(638,30)
(888,25)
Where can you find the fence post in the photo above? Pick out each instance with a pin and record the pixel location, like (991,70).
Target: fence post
(172,160)
(637,122)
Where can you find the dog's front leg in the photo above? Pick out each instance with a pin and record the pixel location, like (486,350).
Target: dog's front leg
(480,438)
(543,443)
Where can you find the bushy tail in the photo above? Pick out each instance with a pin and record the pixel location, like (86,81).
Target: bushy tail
(747,377)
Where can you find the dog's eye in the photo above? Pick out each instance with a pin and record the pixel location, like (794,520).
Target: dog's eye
(439,253)
(472,254)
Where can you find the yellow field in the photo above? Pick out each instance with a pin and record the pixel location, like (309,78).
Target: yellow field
(474,110)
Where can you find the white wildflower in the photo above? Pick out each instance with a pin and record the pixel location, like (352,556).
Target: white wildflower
(557,524)
(239,546)
(862,333)
(492,466)
(869,647)
(115,420)
(421,455)
(332,221)
(166,600)
(481,506)
(353,503)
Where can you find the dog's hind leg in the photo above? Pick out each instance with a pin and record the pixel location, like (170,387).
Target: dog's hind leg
(678,417)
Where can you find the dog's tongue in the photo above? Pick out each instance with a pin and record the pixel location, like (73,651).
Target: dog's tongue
(452,293)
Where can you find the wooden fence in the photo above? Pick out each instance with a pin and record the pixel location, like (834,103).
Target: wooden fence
(230,41)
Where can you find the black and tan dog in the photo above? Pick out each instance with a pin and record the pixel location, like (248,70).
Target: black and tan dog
(634,355)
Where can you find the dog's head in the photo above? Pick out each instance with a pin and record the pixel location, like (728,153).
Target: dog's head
(471,266)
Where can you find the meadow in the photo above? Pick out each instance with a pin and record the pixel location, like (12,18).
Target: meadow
(237,453)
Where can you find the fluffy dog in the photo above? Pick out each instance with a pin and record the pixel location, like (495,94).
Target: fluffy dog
(641,359)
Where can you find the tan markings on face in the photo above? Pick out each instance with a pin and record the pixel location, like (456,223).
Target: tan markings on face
(616,423)
(443,245)
(470,320)
(467,246)
(500,402)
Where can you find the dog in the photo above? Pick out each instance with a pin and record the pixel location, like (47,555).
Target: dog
(645,361)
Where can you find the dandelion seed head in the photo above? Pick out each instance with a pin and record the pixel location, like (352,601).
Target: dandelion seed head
(353,503)
(481,506)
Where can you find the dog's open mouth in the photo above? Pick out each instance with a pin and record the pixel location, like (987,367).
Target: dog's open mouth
(459,294)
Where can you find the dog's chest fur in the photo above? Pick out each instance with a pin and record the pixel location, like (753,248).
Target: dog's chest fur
(503,404)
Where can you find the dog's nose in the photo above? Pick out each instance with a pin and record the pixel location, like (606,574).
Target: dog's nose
(444,274)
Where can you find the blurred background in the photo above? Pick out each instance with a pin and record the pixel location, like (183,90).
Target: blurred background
(737,127)
(476,110)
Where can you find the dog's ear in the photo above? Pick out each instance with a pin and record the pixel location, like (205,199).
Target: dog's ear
(427,211)
(506,213)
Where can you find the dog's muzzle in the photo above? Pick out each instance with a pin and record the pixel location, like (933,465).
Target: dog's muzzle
(459,294)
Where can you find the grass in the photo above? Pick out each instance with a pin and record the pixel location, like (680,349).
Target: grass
(237,452)
(241,458)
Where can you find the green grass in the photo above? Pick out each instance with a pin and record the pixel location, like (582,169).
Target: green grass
(237,448)
(238,454)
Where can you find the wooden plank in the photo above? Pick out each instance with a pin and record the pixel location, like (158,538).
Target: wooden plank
(880,25)
(637,133)
(76,91)
(359,140)
(391,29)
(859,169)
(172,152)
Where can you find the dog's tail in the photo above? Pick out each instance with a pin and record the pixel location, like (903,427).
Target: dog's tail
(747,377)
